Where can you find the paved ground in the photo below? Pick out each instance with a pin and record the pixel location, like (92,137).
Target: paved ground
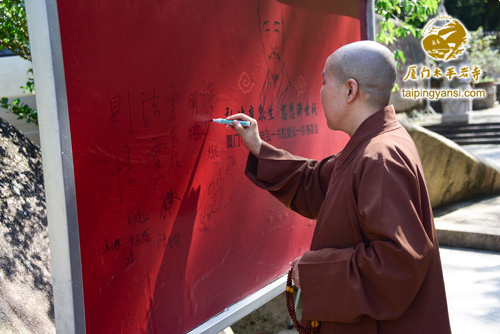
(470,224)
(472,281)
(491,115)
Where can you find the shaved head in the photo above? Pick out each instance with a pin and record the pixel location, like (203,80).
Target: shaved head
(371,64)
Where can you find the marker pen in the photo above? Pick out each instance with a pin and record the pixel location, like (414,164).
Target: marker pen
(230,122)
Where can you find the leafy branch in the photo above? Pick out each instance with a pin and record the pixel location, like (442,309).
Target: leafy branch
(14,28)
(401,18)
(14,37)
(483,53)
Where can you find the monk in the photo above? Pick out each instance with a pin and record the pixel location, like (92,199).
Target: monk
(374,264)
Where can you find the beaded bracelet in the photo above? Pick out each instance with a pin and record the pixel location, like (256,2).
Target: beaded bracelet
(290,305)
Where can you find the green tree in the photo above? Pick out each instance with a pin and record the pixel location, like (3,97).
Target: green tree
(400,18)
(14,37)
(482,53)
(476,13)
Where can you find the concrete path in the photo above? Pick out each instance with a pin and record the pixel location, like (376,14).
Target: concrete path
(491,115)
(472,281)
(471,224)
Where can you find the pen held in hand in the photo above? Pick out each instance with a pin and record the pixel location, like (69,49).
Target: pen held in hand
(230,122)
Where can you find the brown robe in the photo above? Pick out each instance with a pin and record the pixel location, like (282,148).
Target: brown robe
(374,264)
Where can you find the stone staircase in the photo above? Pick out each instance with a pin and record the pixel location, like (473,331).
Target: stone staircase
(469,134)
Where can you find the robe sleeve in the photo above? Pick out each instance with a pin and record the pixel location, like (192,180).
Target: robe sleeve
(297,182)
(380,277)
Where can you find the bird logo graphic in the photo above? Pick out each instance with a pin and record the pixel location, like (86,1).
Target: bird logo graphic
(446,42)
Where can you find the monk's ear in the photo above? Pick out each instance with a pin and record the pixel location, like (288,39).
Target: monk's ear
(352,89)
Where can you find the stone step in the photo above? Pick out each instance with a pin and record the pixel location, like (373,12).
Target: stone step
(466,135)
(483,127)
(477,141)
(469,134)
(474,138)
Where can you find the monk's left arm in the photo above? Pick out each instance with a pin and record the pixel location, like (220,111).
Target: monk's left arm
(381,276)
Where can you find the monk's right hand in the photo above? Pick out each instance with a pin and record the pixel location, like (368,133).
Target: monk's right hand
(249,135)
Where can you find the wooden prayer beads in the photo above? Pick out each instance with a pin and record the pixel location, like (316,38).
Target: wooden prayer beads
(290,305)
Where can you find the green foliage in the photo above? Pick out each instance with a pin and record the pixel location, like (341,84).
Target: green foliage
(410,15)
(482,53)
(14,28)
(14,37)
(22,110)
(476,13)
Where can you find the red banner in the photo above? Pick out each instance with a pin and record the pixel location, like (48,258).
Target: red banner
(171,230)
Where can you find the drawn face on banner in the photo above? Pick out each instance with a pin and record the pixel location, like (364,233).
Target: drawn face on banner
(272,34)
